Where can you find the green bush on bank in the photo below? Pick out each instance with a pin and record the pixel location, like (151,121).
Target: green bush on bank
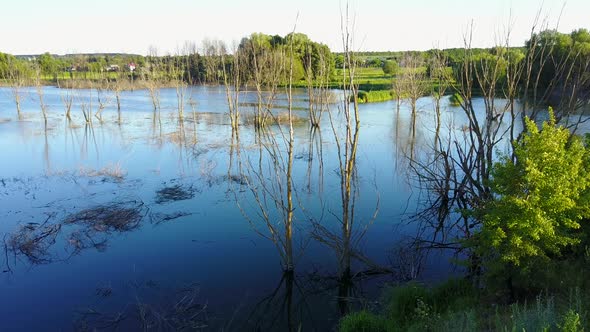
(457,306)
(374,96)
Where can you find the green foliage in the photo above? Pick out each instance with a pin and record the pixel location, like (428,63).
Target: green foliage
(460,321)
(390,67)
(363,96)
(571,322)
(306,54)
(363,321)
(375,62)
(456,99)
(539,198)
(542,316)
(458,306)
(298,70)
(564,50)
(413,304)
(48,64)
(403,302)
(374,96)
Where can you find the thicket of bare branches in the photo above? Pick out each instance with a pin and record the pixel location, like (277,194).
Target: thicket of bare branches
(456,175)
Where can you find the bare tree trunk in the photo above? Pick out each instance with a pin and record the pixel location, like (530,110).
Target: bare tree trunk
(40,93)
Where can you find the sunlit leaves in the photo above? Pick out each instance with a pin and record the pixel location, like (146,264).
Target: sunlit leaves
(540,196)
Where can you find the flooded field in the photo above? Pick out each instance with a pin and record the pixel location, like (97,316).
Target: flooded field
(153,220)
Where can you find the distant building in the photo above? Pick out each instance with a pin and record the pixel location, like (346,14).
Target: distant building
(113,68)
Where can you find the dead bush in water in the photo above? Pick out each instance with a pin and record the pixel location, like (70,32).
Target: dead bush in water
(281,118)
(175,193)
(158,218)
(117,216)
(34,241)
(112,171)
(239,179)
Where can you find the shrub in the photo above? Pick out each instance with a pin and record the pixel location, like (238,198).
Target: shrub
(571,322)
(390,67)
(363,96)
(363,321)
(405,302)
(456,99)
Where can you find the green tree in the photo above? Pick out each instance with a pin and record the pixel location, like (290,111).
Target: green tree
(339,61)
(49,65)
(540,198)
(390,67)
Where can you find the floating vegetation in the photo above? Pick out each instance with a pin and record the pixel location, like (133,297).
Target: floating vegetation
(242,180)
(279,118)
(175,193)
(87,229)
(158,218)
(33,241)
(116,216)
(110,171)
(86,239)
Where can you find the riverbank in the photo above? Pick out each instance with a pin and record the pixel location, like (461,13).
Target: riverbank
(456,305)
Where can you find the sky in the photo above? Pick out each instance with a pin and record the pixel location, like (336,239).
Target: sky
(132,26)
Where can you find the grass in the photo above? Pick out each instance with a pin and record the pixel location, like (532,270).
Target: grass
(280,118)
(111,171)
(458,306)
(375,96)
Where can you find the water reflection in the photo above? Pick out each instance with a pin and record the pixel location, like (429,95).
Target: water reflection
(175,181)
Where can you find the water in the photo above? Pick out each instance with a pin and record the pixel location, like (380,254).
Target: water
(201,256)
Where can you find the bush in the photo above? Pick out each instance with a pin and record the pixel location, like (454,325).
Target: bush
(390,67)
(373,96)
(363,96)
(404,303)
(571,322)
(456,99)
(363,321)
(453,295)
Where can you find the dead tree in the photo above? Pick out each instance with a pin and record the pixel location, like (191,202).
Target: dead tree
(67,98)
(17,76)
(440,78)
(40,92)
(457,176)
(177,70)
(270,181)
(232,79)
(412,83)
(345,243)
(117,86)
(103,97)
(152,78)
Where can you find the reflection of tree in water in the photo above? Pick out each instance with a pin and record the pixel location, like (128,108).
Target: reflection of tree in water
(345,240)
(306,302)
(151,309)
(283,309)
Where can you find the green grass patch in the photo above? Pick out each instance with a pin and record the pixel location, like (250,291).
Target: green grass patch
(458,306)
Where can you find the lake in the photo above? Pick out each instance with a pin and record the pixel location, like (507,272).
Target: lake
(156,222)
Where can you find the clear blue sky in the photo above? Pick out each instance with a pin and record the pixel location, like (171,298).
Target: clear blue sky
(68,26)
